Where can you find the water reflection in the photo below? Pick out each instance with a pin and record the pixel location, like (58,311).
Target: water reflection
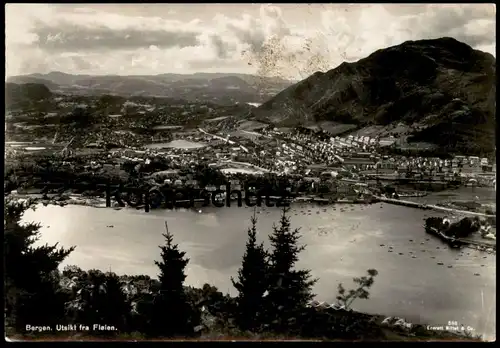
(340,245)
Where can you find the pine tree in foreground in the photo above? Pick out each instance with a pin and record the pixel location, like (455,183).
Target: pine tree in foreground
(32,292)
(171,311)
(289,290)
(252,282)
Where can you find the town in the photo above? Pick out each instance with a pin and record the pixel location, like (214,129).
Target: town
(158,144)
(308,163)
(312,161)
(250,172)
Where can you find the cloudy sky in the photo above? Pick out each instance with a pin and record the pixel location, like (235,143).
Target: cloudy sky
(288,40)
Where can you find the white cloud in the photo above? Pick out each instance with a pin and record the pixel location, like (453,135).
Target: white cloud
(81,39)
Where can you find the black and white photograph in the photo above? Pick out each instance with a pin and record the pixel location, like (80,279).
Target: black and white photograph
(250,172)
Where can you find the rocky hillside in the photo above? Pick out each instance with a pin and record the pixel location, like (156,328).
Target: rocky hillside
(442,89)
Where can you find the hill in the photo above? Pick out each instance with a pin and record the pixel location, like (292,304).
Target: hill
(442,90)
(20,80)
(23,94)
(217,87)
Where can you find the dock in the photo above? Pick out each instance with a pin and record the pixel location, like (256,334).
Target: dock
(333,201)
(431,206)
(404,203)
(311,199)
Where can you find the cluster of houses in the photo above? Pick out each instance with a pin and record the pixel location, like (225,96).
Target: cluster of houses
(459,166)
(294,153)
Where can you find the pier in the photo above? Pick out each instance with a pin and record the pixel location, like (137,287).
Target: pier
(431,206)
(333,201)
(404,203)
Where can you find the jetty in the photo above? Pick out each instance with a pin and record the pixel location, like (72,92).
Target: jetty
(431,206)
(314,199)
(404,203)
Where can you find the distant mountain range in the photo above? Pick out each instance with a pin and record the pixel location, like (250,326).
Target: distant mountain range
(214,87)
(439,92)
(442,89)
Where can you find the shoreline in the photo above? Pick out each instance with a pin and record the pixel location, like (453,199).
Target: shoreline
(97,202)
(379,317)
(100,202)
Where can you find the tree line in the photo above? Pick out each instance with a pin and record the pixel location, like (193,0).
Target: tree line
(273,299)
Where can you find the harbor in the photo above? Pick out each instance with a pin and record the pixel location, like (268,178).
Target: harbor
(342,242)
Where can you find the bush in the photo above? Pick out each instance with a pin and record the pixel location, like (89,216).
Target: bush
(345,299)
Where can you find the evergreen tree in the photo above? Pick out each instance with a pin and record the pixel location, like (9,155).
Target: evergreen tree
(171,311)
(290,290)
(252,282)
(97,298)
(31,277)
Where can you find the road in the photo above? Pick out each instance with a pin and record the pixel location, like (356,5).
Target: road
(226,140)
(257,134)
(216,136)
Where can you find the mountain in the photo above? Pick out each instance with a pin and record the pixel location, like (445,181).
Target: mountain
(442,90)
(214,87)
